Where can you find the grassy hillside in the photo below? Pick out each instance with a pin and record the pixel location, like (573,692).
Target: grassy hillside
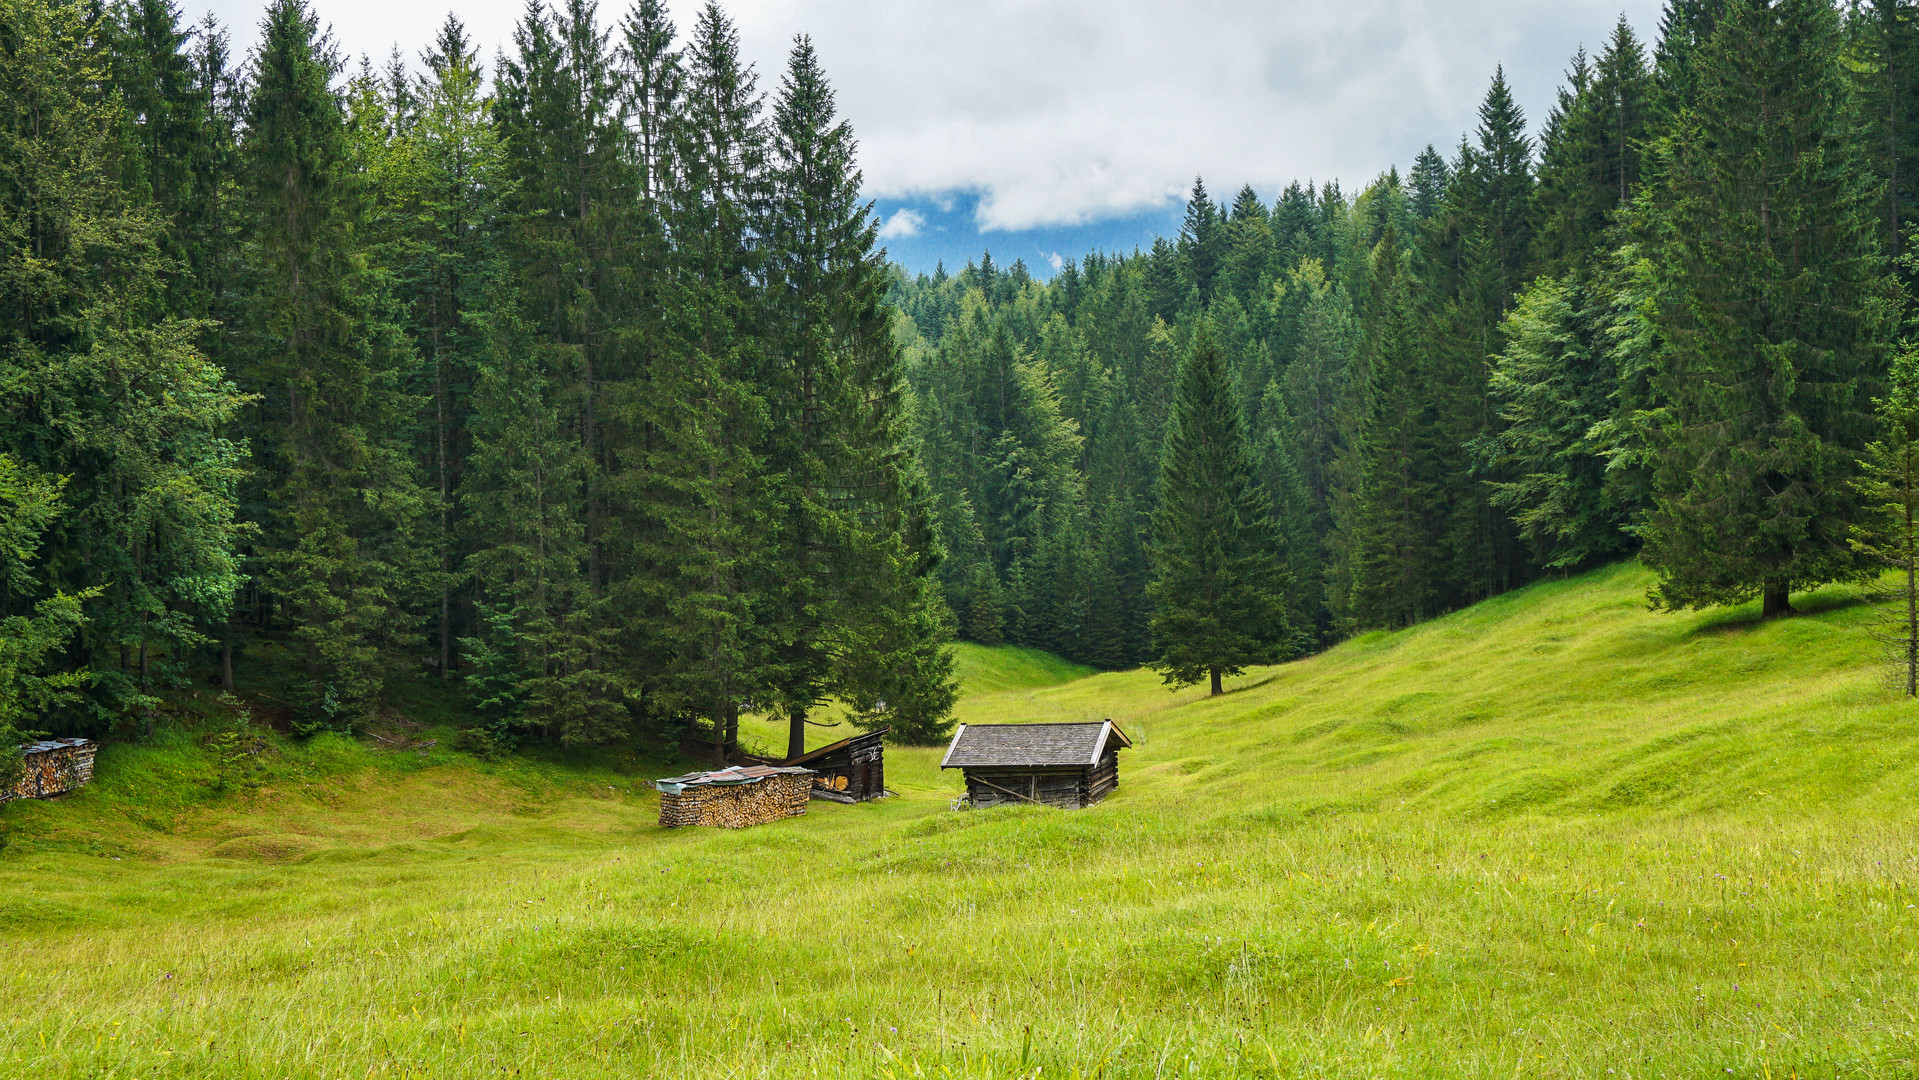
(996,671)
(1554,835)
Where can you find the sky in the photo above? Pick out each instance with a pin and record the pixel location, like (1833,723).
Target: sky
(1042,129)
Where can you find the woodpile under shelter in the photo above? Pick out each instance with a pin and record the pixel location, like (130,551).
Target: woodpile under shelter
(734,798)
(851,770)
(52,767)
(1065,765)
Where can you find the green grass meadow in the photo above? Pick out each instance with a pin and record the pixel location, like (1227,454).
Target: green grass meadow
(1554,835)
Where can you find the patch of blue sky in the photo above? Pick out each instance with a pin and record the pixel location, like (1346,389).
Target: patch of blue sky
(923,232)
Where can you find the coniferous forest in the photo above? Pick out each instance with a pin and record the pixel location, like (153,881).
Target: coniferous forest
(575,380)
(572,382)
(1660,324)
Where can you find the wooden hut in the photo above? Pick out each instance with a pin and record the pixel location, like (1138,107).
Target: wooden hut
(734,798)
(851,770)
(1065,765)
(52,767)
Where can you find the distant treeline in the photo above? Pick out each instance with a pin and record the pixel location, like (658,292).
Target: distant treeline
(1660,327)
(572,383)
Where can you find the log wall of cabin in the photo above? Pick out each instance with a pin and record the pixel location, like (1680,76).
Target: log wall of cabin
(1065,788)
(1103,778)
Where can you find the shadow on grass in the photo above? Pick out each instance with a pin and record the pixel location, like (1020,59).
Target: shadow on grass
(1267,681)
(1746,616)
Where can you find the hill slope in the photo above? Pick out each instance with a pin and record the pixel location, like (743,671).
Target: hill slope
(1553,835)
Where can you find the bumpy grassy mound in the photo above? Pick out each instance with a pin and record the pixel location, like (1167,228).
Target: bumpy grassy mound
(1554,835)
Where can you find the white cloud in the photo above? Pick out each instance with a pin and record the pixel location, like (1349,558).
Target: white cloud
(1053,260)
(1064,111)
(903,223)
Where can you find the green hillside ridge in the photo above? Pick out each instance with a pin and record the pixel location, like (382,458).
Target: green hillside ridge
(990,671)
(1552,835)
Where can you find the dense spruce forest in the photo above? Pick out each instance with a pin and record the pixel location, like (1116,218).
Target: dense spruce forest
(575,383)
(1659,327)
(570,384)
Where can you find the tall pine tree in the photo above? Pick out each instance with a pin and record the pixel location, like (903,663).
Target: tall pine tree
(1773,305)
(1218,591)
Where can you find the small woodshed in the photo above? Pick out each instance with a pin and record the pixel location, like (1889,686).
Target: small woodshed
(1065,765)
(52,767)
(851,770)
(734,798)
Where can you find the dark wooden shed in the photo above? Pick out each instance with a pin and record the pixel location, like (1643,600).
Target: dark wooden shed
(851,770)
(1065,765)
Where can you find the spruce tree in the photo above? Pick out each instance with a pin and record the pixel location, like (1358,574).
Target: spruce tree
(182,149)
(1428,183)
(709,507)
(1886,67)
(566,220)
(1684,29)
(1117,479)
(1494,196)
(1555,384)
(1889,536)
(1392,531)
(321,356)
(99,383)
(1474,255)
(1246,248)
(438,210)
(847,580)
(1590,153)
(1324,388)
(1218,591)
(1772,307)
(34,684)
(1201,244)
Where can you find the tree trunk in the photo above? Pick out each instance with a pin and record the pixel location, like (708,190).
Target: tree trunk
(226,662)
(446,543)
(1217,689)
(1911,558)
(1778,602)
(795,732)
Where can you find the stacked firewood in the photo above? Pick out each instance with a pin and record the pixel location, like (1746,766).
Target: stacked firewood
(736,806)
(52,767)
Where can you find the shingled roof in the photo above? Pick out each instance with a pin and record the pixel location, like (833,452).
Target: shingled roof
(983,745)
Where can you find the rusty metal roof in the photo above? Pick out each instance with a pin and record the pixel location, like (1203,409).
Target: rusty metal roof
(54,744)
(738,774)
(1031,744)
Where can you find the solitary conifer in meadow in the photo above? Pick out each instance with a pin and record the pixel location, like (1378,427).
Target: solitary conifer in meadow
(1219,593)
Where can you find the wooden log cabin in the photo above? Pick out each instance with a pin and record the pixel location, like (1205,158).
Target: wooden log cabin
(849,771)
(52,767)
(1065,765)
